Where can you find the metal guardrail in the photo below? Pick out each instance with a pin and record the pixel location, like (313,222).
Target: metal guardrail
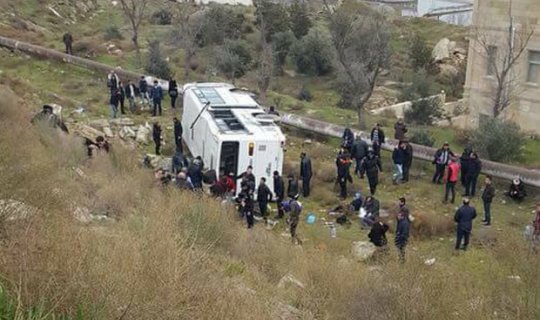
(499,170)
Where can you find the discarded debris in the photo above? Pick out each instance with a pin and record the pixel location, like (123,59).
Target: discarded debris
(430,262)
(289,279)
(11,210)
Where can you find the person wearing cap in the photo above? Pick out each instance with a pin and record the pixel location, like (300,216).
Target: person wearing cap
(279,193)
(306,173)
(451,178)
(464,218)
(377,139)
(292,188)
(440,160)
(517,190)
(487,197)
(402,229)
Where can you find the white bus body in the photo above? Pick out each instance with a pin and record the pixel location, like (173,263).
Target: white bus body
(230,131)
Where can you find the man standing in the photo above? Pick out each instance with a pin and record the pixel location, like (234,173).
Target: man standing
(377,139)
(400,130)
(264,196)
(156,136)
(464,217)
(359,151)
(143,90)
(247,209)
(347,139)
(294,218)
(173,92)
(306,173)
(279,192)
(343,163)
(371,165)
(113,102)
(442,156)
(178,134)
(407,163)
(451,180)
(536,230)
(131,93)
(487,199)
(121,97)
(473,171)
(68,42)
(402,229)
(465,161)
(398,156)
(292,188)
(157,95)
(113,81)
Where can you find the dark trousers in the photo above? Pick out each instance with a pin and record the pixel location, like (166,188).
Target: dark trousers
(305,186)
(280,208)
(464,236)
(401,252)
(373,184)
(487,211)
(179,146)
(263,208)
(293,224)
(450,187)
(470,186)
(173,101)
(343,187)
(157,108)
(122,100)
(249,219)
(439,173)
(406,169)
(69,48)
(158,147)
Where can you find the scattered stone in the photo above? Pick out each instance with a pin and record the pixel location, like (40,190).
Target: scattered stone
(79,172)
(127,133)
(308,141)
(83,215)
(142,135)
(122,122)
(516,278)
(284,311)
(362,250)
(98,123)
(88,132)
(11,210)
(430,262)
(108,132)
(289,279)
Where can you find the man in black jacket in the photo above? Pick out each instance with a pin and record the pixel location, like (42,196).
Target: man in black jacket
(178,134)
(402,232)
(359,151)
(131,92)
(68,42)
(407,163)
(471,177)
(279,192)
(371,165)
(440,160)
(464,217)
(248,180)
(343,163)
(306,173)
(292,188)
(156,136)
(487,198)
(377,234)
(264,196)
(465,164)
(377,139)
(143,90)
(173,92)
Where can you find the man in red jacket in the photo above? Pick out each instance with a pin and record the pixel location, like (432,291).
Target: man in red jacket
(451,178)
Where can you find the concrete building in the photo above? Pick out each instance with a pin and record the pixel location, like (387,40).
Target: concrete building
(489,45)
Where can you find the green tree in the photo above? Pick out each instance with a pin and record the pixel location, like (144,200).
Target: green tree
(498,140)
(233,59)
(281,46)
(220,23)
(300,22)
(156,64)
(275,16)
(419,53)
(312,54)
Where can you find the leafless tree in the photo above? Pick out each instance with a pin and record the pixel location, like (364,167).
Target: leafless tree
(266,57)
(135,12)
(503,54)
(361,40)
(189,20)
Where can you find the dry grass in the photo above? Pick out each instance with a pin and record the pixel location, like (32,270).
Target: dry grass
(171,255)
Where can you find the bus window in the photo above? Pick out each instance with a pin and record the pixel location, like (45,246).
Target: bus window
(229,157)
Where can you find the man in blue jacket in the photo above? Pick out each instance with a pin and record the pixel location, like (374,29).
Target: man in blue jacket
(157,95)
(464,217)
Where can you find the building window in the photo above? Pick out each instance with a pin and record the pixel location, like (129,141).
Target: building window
(491,60)
(534,67)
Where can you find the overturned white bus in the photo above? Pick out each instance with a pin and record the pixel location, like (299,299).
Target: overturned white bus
(231,131)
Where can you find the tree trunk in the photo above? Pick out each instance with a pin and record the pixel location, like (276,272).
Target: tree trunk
(361,117)
(135,41)
(187,64)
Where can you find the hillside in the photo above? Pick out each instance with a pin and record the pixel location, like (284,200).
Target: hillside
(100,239)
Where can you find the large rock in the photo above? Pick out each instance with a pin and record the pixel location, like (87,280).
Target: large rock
(127,133)
(443,50)
(11,210)
(122,122)
(143,134)
(88,132)
(363,250)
